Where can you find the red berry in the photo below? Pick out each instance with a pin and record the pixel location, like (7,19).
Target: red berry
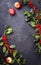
(29,3)
(11,11)
(33,7)
(38,33)
(17,5)
(38,17)
(4,38)
(40,28)
(6,45)
(37,25)
(35,11)
(39,41)
(10,51)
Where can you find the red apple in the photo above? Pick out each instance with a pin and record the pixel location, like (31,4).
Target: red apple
(17,5)
(9,60)
(11,11)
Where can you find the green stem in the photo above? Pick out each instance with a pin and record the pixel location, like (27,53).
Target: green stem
(16,60)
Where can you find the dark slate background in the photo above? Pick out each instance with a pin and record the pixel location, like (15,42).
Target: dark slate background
(22,36)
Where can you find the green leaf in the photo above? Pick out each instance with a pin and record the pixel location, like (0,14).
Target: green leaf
(15,53)
(33,24)
(36,36)
(12,46)
(13,61)
(38,51)
(6,53)
(4,49)
(38,45)
(28,14)
(25,13)
(1,43)
(18,60)
(25,1)
(8,30)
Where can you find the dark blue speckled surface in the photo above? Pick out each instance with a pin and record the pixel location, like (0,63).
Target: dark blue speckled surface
(22,36)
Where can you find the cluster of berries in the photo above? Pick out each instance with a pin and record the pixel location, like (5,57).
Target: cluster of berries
(7,46)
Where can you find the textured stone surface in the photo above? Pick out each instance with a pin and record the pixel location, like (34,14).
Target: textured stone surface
(22,36)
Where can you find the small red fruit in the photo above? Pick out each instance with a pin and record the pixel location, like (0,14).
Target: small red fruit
(39,41)
(17,5)
(38,17)
(38,33)
(6,45)
(10,51)
(11,11)
(33,7)
(35,11)
(29,3)
(4,38)
(37,25)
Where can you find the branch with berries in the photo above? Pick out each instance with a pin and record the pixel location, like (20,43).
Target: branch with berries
(33,18)
(10,54)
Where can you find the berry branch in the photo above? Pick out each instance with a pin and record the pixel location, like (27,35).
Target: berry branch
(9,50)
(33,18)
